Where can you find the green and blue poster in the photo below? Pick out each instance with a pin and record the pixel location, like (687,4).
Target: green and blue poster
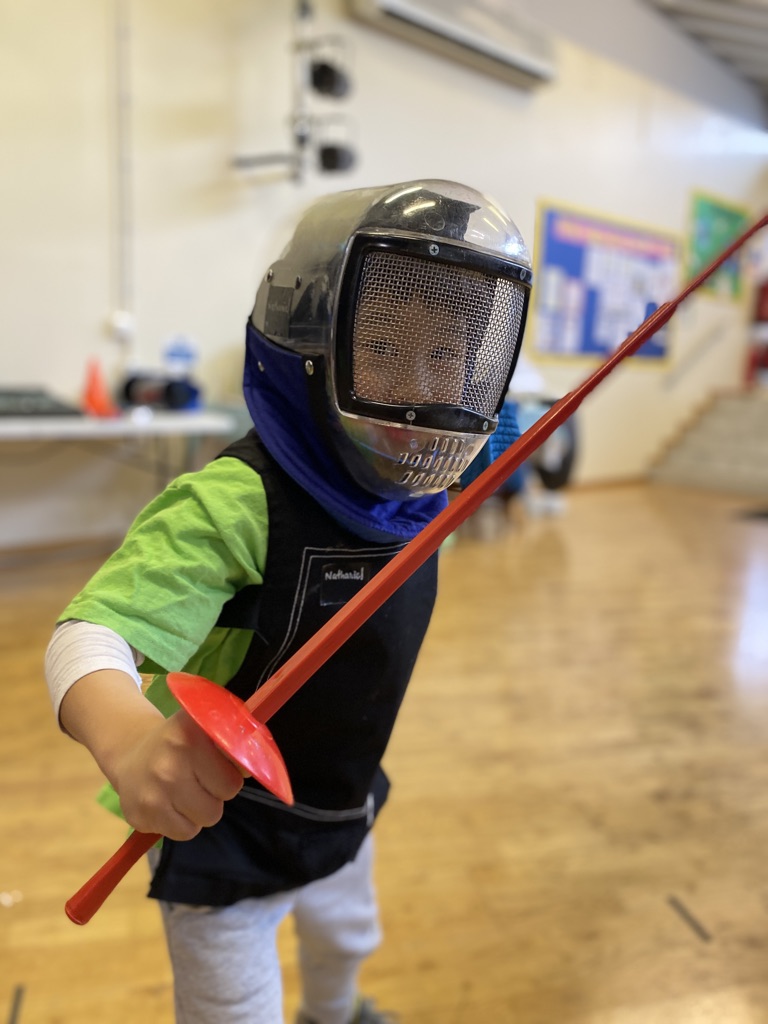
(714,225)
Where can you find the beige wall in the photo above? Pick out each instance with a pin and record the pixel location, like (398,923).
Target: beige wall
(210,78)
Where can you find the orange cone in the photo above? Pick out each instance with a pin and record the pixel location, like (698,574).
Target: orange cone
(96,397)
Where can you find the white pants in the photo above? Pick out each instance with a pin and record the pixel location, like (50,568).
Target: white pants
(225,964)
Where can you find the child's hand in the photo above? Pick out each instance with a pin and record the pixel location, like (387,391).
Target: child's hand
(171,779)
(174,780)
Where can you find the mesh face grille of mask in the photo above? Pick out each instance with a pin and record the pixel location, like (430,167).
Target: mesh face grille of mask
(428,332)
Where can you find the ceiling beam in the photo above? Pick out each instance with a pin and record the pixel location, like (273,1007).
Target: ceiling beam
(720,11)
(703,28)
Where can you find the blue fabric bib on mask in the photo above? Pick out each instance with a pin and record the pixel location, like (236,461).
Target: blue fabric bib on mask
(275,387)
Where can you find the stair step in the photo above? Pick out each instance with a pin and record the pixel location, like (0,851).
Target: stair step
(725,448)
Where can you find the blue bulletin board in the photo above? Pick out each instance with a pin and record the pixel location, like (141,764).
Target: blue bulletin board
(596,281)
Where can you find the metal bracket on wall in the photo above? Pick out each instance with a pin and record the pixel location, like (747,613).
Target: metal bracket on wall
(320,64)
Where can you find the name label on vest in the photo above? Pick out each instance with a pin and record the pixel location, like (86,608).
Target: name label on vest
(342,580)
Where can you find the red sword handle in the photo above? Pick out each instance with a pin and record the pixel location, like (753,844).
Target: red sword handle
(81,907)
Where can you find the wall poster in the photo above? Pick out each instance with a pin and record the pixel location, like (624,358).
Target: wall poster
(714,224)
(597,280)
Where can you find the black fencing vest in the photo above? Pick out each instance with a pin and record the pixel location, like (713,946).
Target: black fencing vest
(333,732)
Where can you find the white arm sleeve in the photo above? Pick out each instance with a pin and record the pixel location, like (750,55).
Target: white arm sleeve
(77,648)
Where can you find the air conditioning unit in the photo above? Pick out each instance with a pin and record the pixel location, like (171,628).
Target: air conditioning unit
(488,35)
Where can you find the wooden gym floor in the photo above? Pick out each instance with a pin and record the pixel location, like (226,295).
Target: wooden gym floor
(578,830)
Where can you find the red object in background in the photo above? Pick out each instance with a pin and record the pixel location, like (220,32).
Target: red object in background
(761,303)
(757,355)
(97,400)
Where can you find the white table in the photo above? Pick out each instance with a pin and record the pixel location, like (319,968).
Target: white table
(142,423)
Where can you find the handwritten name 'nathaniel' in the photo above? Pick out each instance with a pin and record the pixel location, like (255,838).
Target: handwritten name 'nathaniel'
(344,574)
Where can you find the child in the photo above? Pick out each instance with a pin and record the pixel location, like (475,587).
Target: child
(378,355)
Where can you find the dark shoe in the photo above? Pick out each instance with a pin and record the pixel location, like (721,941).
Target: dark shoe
(365,1013)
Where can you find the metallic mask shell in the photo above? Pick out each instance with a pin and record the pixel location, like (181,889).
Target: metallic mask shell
(298,306)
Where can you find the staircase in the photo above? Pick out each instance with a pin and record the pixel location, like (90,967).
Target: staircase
(725,448)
